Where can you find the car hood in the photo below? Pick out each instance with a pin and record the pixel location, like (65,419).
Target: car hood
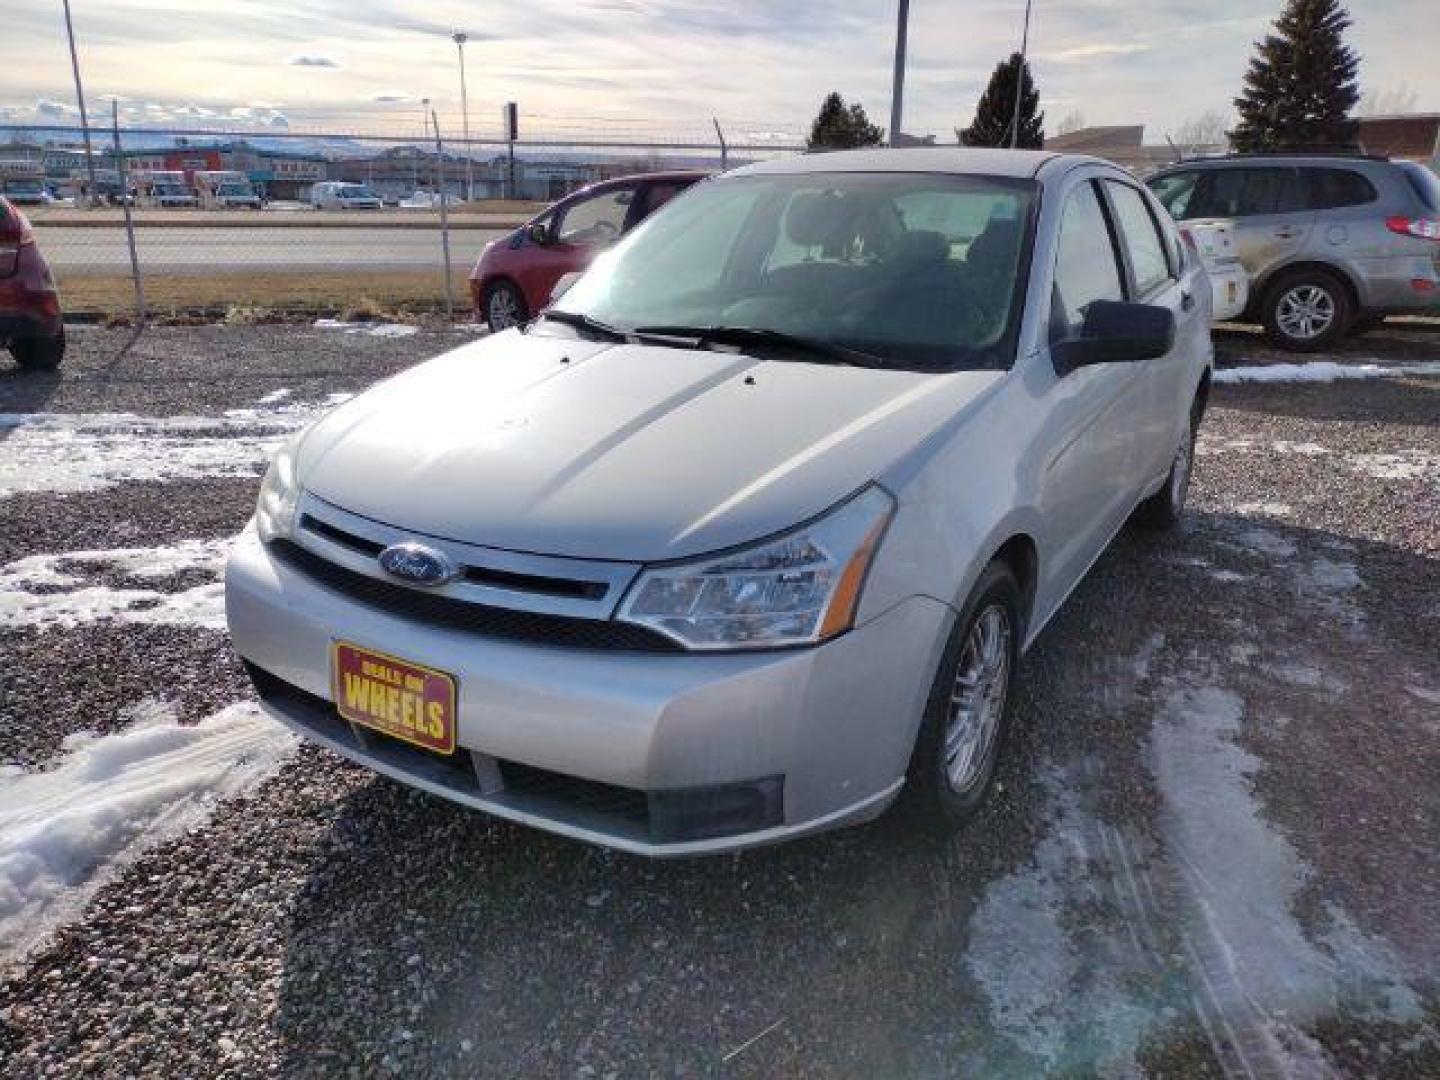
(625,452)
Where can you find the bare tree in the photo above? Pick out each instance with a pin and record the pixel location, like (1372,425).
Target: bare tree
(1207,129)
(1072,121)
(1389,102)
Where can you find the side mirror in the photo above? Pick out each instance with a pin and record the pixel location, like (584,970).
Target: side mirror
(538,232)
(562,286)
(1116,332)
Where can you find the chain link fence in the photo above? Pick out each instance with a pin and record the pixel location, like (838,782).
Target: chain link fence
(207,222)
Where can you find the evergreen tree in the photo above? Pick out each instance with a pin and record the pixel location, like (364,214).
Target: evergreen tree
(1301,84)
(996,110)
(842,127)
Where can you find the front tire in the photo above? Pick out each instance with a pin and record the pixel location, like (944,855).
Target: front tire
(1162,511)
(968,712)
(39,353)
(1307,310)
(504,306)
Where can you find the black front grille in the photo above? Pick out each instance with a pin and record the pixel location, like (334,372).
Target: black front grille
(562,631)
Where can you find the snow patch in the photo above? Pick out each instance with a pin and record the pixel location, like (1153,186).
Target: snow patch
(45,591)
(70,452)
(1271,509)
(1320,371)
(1411,465)
(275,396)
(65,832)
(1266,543)
(1431,697)
(369,329)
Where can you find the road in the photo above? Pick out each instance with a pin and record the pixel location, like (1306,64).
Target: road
(1211,852)
(196,250)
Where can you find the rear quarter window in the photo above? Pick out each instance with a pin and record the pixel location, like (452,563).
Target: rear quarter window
(1424,183)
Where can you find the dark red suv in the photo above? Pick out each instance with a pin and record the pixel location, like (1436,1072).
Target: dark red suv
(29,303)
(516,273)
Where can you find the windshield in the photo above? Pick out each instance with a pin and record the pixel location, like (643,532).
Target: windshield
(236,189)
(23,187)
(921,270)
(356,193)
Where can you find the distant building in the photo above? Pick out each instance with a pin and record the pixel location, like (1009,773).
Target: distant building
(1124,144)
(1414,136)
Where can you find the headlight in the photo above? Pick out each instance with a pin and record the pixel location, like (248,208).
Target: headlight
(796,589)
(279,496)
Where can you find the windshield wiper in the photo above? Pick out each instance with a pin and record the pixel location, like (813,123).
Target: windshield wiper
(821,351)
(585,322)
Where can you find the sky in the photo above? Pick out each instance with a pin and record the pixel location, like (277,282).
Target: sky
(655,68)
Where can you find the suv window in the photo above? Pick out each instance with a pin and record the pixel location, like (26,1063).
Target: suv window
(1248,193)
(598,219)
(1333,188)
(1086,267)
(1141,238)
(1174,190)
(1425,183)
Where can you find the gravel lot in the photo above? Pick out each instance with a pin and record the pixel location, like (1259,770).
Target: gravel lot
(1213,852)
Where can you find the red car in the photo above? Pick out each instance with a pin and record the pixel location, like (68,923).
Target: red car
(29,303)
(516,273)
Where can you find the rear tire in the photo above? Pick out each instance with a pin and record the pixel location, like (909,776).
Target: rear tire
(1162,511)
(968,712)
(38,354)
(504,306)
(1307,310)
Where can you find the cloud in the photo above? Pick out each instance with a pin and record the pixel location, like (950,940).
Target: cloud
(46,107)
(387,97)
(316,60)
(1081,53)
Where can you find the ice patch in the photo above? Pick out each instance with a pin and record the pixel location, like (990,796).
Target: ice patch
(1431,697)
(1244,877)
(1056,1003)
(1272,509)
(1266,543)
(274,396)
(1320,371)
(1328,584)
(70,452)
(1229,577)
(64,832)
(45,591)
(370,329)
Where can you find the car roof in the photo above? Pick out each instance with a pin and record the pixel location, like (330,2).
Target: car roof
(1241,161)
(1016,164)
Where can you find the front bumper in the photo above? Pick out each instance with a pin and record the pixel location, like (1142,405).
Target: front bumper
(604,745)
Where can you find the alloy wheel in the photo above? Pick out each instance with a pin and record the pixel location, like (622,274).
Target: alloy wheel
(1305,312)
(502,310)
(977,699)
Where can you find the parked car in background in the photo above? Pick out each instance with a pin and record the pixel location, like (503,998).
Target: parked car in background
(425,200)
(1331,243)
(162,189)
(747,532)
(226,189)
(30,323)
(1214,242)
(23,183)
(338,195)
(515,274)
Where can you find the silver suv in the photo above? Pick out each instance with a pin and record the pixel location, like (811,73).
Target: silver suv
(1332,244)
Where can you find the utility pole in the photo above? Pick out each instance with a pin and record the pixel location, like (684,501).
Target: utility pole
(80,97)
(460,37)
(724,147)
(897,88)
(425,131)
(1020,80)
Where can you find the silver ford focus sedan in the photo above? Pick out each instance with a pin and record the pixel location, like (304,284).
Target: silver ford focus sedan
(743,538)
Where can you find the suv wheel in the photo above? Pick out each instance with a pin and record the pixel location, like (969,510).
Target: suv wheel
(1307,310)
(969,707)
(38,353)
(504,306)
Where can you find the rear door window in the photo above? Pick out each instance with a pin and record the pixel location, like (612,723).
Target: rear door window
(1250,192)
(1140,236)
(598,219)
(1334,188)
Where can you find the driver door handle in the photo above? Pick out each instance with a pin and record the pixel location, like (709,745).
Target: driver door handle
(1187,301)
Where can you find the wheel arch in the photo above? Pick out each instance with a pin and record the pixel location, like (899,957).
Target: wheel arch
(1022,555)
(1344,276)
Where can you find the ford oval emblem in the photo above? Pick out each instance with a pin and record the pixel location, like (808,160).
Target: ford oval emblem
(418,565)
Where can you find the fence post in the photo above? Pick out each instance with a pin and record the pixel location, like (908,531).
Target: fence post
(444,218)
(129,220)
(724,150)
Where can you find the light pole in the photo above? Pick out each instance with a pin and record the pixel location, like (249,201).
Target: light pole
(80,97)
(897,89)
(460,37)
(1020,79)
(425,131)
